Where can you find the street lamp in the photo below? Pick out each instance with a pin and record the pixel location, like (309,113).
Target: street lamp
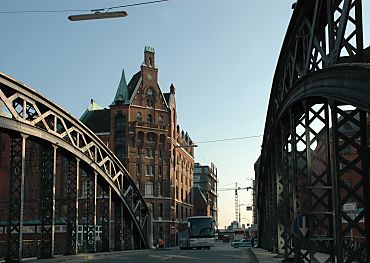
(98,15)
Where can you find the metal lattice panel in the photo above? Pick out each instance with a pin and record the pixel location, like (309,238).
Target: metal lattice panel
(105,210)
(47,201)
(72,204)
(90,224)
(351,153)
(15,217)
(118,226)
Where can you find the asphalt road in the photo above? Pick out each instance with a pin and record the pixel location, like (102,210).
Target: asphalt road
(221,253)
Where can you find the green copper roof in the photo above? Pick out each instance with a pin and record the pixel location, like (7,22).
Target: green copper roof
(149,49)
(93,106)
(122,91)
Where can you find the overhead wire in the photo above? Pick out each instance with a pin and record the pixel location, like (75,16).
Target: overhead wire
(231,139)
(82,10)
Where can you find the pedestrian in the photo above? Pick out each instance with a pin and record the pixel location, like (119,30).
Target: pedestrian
(252,241)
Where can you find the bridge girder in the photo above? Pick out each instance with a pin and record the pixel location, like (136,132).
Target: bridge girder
(319,107)
(24,112)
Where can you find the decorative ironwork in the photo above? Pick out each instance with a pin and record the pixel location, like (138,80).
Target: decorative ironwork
(90,226)
(47,202)
(351,153)
(16,199)
(118,226)
(105,210)
(71,186)
(128,236)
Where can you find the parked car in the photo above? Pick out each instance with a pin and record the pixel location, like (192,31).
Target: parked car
(241,243)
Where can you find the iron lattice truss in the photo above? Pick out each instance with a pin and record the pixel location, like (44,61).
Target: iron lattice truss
(313,177)
(23,113)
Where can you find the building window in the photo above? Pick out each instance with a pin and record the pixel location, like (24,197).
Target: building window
(120,121)
(138,116)
(159,186)
(150,97)
(160,120)
(177,192)
(138,152)
(149,118)
(138,185)
(120,137)
(137,168)
(160,170)
(346,150)
(161,210)
(120,153)
(177,212)
(149,170)
(148,188)
(160,153)
(147,152)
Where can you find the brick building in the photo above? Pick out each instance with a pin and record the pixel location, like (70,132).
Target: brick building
(140,127)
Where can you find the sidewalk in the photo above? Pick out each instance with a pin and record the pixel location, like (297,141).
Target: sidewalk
(264,256)
(80,257)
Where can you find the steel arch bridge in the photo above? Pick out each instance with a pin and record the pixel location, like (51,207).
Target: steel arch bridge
(85,199)
(313,198)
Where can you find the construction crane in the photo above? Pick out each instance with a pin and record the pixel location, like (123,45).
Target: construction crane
(236,189)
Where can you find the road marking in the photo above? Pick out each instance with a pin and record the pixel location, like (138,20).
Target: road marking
(165,257)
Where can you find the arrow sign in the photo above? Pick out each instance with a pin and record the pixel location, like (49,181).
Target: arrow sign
(304,229)
(300,226)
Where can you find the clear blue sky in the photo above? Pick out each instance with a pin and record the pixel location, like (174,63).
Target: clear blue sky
(219,54)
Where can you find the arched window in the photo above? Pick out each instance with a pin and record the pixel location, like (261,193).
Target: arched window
(150,92)
(150,95)
(138,116)
(149,119)
(148,188)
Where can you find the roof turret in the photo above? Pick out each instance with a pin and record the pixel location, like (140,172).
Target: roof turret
(122,91)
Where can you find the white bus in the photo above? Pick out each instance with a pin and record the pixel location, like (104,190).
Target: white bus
(197,232)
